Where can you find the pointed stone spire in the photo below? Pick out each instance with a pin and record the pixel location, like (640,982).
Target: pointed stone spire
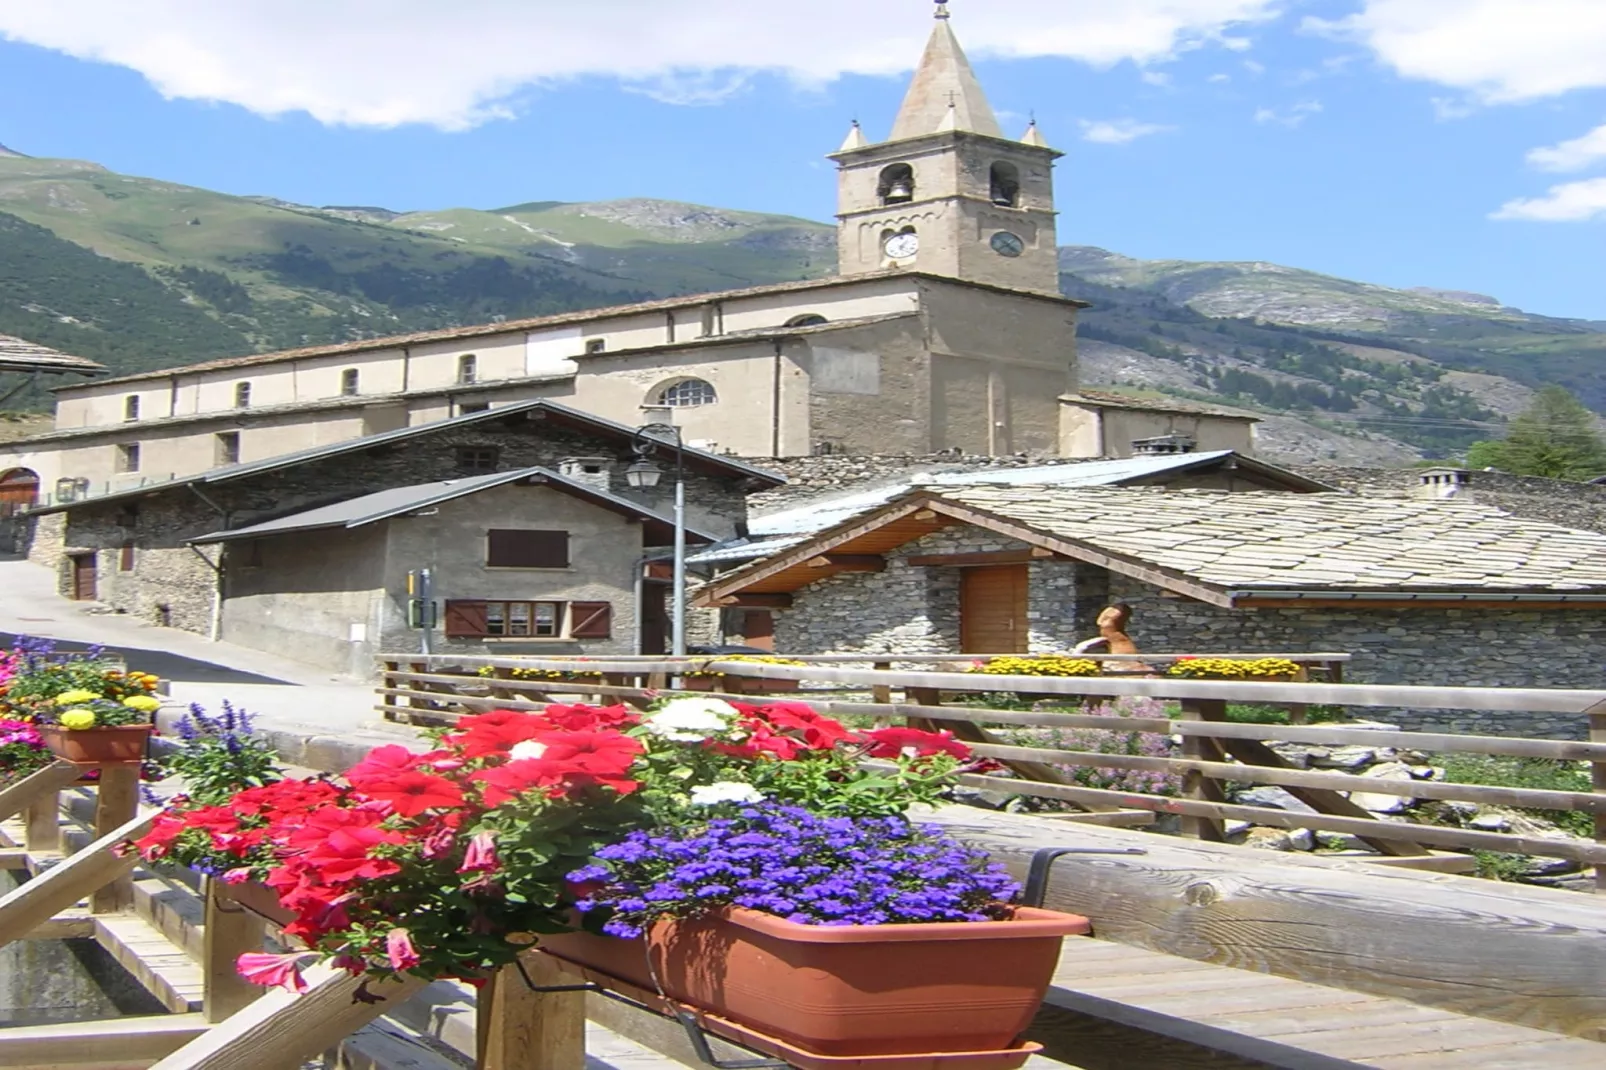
(1034,136)
(855,138)
(945,83)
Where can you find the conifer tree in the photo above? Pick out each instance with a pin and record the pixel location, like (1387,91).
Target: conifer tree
(1554,437)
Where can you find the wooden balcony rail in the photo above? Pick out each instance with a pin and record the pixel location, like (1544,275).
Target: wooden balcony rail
(1214,752)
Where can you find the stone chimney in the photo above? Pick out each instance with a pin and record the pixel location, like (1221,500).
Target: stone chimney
(1163,445)
(1441,483)
(596,472)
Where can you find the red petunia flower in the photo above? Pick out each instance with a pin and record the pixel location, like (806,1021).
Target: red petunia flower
(381,763)
(345,855)
(413,793)
(894,742)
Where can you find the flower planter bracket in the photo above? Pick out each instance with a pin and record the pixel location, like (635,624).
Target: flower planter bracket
(695,1034)
(1042,867)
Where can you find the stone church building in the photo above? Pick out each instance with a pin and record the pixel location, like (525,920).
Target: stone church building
(944,330)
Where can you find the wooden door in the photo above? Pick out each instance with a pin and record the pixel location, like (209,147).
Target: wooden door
(758,629)
(654,610)
(83,577)
(992,610)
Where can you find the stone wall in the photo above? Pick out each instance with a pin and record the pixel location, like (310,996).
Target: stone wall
(1446,647)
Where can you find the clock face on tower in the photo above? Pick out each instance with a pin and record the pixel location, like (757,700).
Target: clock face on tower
(1006,244)
(902,246)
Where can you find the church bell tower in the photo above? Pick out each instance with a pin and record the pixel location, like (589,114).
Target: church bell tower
(948,193)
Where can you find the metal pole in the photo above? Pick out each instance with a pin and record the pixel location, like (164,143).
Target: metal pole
(679,593)
(426,595)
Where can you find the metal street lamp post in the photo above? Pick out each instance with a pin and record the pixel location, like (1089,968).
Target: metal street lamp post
(645,474)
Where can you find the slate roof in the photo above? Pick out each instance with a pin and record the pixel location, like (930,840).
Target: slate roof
(1227,547)
(17,354)
(399,501)
(1287,541)
(1100,399)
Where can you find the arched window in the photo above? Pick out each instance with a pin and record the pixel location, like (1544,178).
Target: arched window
(813,319)
(1006,185)
(897,184)
(468,368)
(350,382)
(131,407)
(688,394)
(242,395)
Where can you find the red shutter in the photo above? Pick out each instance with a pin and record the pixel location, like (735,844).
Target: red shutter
(465,620)
(590,620)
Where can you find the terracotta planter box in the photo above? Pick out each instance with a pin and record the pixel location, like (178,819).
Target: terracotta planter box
(739,685)
(97,746)
(846,992)
(256,898)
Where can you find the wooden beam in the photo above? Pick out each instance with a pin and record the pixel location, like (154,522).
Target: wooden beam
(1502,951)
(1196,782)
(230,930)
(850,562)
(757,601)
(992,557)
(280,1029)
(1111,818)
(61,886)
(523,1030)
(1470,603)
(16,798)
(119,1042)
(116,803)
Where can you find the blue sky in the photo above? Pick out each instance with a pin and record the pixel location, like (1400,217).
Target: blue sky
(1450,143)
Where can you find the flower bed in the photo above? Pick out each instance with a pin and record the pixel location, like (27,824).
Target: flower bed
(514,826)
(1038,665)
(1235,669)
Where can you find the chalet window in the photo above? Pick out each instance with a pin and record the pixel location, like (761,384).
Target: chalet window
(350,382)
(128,457)
(477,458)
(125,557)
(228,447)
(527,549)
(529,620)
(242,395)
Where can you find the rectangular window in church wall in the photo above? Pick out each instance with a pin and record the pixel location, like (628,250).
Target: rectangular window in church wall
(227,445)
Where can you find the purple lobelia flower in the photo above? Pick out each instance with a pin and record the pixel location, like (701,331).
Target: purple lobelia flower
(797,865)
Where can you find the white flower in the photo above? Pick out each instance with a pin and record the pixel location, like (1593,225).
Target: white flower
(692,720)
(725,791)
(528,749)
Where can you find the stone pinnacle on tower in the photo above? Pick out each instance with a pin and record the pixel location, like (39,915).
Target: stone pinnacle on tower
(945,80)
(855,138)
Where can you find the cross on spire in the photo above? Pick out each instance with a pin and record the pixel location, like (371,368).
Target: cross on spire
(942,9)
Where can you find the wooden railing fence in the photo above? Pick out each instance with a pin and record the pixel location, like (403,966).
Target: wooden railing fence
(1214,751)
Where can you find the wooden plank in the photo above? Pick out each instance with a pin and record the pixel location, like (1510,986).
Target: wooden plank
(1113,817)
(281,1028)
(849,562)
(1597,734)
(116,1041)
(15,798)
(116,803)
(992,557)
(1512,953)
(62,885)
(1580,850)
(1291,778)
(1197,784)
(14,857)
(1432,862)
(229,932)
(162,969)
(68,925)
(523,1030)
(757,601)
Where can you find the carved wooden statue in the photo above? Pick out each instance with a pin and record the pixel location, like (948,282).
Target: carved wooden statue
(1112,632)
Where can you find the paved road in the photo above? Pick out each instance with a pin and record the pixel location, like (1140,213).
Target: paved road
(283,693)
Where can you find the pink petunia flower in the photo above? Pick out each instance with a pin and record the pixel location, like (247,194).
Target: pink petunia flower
(266,970)
(399,949)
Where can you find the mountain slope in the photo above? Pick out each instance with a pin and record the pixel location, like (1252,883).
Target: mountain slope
(1338,370)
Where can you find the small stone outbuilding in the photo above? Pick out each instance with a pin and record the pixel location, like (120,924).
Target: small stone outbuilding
(1419,592)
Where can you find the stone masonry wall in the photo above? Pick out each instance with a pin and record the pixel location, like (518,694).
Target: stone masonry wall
(1449,647)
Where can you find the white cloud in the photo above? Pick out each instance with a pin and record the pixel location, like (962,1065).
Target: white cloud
(1293,117)
(1497,51)
(1572,202)
(1156,78)
(1119,131)
(1217,79)
(1574,155)
(388,62)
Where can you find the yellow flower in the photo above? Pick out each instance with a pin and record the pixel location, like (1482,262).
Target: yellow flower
(143,703)
(76,720)
(76,697)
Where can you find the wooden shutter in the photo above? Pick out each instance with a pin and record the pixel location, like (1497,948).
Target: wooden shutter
(125,561)
(465,620)
(590,620)
(527,549)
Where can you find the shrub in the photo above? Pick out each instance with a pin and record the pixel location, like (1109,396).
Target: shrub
(1233,668)
(1113,741)
(1038,665)
(1545,774)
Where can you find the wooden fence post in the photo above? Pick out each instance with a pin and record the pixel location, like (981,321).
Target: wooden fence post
(116,804)
(1197,786)
(230,931)
(518,1029)
(1597,734)
(1299,713)
(42,823)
